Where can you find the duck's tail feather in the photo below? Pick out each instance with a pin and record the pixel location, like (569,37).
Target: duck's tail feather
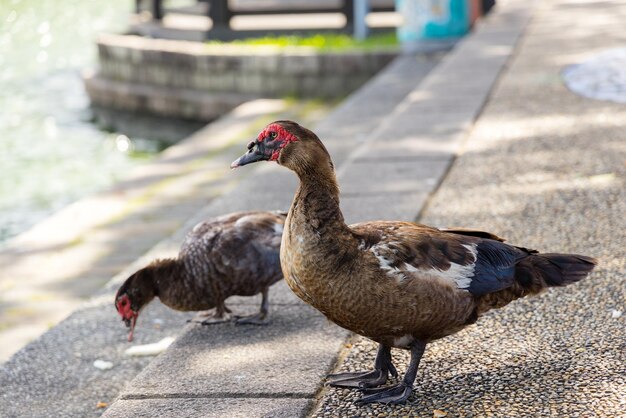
(535,273)
(539,271)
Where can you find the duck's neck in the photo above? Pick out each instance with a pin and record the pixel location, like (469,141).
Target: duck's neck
(316,240)
(184,284)
(165,272)
(316,202)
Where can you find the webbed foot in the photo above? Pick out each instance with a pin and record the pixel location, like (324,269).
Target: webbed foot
(258,319)
(216,320)
(211,318)
(358,380)
(400,392)
(369,379)
(391,394)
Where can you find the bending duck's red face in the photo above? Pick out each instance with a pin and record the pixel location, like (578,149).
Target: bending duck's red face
(267,146)
(129,316)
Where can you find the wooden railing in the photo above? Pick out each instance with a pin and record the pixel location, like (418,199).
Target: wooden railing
(222,11)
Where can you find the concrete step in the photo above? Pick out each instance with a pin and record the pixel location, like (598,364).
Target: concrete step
(95,332)
(266,71)
(160,101)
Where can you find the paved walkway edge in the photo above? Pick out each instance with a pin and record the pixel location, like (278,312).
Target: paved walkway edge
(413,148)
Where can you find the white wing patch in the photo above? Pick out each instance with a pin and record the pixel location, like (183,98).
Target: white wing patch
(460,275)
(385,263)
(410,268)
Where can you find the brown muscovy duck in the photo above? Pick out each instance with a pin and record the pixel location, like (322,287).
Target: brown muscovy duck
(401,284)
(234,254)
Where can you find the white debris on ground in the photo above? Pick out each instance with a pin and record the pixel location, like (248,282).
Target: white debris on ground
(102,364)
(616,313)
(150,349)
(602,77)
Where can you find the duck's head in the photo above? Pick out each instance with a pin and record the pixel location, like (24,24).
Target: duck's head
(289,144)
(136,292)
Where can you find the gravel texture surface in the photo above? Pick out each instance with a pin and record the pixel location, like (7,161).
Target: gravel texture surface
(545,169)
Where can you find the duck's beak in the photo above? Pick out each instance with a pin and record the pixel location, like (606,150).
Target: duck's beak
(257,151)
(131,325)
(248,158)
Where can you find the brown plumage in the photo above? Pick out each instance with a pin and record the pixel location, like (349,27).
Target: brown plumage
(234,254)
(401,284)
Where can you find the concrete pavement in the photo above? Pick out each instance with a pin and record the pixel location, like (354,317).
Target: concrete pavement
(540,166)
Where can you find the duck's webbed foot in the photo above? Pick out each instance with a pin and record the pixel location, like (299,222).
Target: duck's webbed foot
(391,394)
(358,380)
(368,379)
(400,392)
(221,315)
(215,319)
(258,319)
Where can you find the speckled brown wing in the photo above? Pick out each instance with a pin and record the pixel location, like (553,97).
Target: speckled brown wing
(470,260)
(240,252)
(414,282)
(406,249)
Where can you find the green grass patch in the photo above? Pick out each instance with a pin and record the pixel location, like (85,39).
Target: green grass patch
(320,41)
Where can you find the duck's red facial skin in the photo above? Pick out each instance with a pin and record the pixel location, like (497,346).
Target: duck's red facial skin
(267,146)
(129,316)
(279,134)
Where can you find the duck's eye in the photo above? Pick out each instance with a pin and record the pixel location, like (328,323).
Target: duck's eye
(273,135)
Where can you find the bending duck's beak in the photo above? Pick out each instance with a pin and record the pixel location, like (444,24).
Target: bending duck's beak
(257,151)
(131,325)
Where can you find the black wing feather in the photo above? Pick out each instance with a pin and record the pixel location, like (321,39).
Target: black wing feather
(495,266)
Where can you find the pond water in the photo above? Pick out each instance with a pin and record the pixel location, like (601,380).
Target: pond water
(50,152)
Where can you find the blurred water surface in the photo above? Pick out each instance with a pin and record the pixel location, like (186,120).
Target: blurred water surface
(50,152)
